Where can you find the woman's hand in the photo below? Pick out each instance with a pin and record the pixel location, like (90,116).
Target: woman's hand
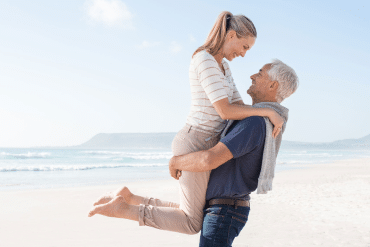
(175,173)
(277,121)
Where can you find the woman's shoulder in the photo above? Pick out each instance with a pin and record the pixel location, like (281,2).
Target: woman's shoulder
(201,56)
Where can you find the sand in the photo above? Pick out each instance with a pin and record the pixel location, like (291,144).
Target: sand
(321,205)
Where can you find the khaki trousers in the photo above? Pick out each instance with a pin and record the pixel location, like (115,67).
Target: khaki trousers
(188,216)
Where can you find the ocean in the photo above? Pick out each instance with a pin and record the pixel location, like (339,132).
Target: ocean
(44,168)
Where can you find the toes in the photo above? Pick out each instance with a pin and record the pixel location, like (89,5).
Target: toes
(110,209)
(98,202)
(101,201)
(93,211)
(104,199)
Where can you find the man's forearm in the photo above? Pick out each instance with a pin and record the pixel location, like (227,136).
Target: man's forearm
(193,162)
(201,161)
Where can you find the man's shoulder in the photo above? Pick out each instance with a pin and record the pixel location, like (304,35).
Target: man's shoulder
(247,127)
(252,121)
(254,124)
(245,136)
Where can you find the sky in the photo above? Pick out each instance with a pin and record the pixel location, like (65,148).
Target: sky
(75,68)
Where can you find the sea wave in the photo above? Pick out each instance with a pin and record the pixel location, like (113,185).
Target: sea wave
(131,155)
(37,168)
(317,155)
(9,185)
(28,155)
(149,157)
(294,162)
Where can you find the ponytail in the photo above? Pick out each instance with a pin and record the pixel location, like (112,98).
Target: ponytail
(225,22)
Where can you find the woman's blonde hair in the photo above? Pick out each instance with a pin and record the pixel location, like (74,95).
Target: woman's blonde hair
(224,23)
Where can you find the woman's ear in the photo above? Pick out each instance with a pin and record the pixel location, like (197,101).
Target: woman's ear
(231,34)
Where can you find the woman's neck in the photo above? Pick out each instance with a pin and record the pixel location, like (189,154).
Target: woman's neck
(219,56)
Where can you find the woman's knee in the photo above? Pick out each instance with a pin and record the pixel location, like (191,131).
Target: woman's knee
(193,231)
(195,226)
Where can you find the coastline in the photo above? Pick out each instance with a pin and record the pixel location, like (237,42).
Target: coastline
(319,205)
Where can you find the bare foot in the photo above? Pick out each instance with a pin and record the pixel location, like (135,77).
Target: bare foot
(104,199)
(124,192)
(115,208)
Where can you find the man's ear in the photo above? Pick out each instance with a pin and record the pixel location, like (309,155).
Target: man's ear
(274,85)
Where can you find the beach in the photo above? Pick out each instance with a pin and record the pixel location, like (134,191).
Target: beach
(318,205)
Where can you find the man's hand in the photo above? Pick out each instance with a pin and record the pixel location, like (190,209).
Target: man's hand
(201,161)
(175,173)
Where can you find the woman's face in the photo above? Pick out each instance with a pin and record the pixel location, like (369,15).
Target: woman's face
(235,47)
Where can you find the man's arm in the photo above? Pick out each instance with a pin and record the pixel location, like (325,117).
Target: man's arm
(200,161)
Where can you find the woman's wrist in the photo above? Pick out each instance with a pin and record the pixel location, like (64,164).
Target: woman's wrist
(267,112)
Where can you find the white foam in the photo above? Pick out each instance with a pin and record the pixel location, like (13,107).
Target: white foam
(28,155)
(37,168)
(294,162)
(318,155)
(135,156)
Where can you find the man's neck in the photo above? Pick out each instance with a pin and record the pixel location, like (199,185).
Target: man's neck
(256,101)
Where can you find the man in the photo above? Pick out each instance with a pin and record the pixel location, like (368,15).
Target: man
(244,159)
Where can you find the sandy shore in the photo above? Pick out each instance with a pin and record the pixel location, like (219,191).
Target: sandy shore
(323,205)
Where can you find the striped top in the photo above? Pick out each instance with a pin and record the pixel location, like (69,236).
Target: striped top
(209,85)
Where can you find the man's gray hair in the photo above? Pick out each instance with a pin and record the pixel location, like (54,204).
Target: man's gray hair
(285,76)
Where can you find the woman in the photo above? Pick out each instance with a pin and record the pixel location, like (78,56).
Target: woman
(214,99)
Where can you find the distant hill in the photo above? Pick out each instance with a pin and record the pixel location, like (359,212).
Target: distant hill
(361,143)
(164,140)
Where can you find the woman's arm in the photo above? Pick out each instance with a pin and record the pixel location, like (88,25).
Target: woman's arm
(239,102)
(237,111)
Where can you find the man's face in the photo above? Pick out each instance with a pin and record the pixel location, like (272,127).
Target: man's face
(260,83)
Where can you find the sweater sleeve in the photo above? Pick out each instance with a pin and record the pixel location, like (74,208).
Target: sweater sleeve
(210,75)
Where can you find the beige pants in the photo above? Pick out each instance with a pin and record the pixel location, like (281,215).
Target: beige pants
(188,216)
